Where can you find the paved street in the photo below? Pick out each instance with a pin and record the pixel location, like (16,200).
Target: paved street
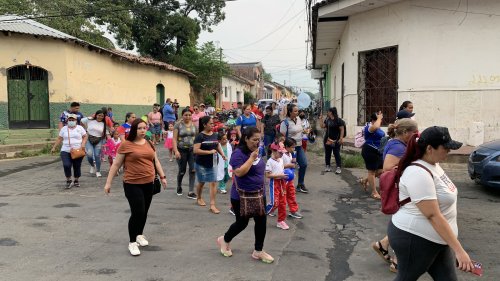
(48,233)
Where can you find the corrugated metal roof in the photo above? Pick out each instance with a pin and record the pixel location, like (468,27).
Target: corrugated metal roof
(27,26)
(17,24)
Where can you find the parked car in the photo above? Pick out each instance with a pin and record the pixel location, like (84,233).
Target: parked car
(484,164)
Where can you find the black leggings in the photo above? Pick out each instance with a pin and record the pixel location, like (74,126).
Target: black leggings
(242,222)
(187,159)
(336,153)
(139,198)
(417,255)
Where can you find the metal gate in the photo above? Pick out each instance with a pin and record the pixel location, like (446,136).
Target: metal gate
(28,97)
(378,84)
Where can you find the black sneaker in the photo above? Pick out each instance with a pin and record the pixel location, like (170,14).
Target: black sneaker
(76,183)
(191,195)
(302,188)
(69,184)
(296,215)
(179,191)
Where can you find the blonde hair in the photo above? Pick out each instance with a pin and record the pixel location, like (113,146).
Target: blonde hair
(401,126)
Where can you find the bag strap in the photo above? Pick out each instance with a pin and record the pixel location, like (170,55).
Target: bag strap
(69,139)
(154,162)
(408,200)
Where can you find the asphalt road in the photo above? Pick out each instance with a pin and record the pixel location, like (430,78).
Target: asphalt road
(48,233)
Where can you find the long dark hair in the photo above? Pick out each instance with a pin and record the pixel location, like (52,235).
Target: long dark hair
(404,105)
(203,122)
(133,130)
(415,150)
(246,134)
(334,112)
(103,121)
(127,116)
(289,109)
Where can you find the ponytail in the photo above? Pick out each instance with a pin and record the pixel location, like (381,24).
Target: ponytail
(414,151)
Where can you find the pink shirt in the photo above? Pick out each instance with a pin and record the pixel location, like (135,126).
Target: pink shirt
(154,118)
(196,117)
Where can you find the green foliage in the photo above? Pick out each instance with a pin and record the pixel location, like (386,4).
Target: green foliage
(248,98)
(267,76)
(352,160)
(209,100)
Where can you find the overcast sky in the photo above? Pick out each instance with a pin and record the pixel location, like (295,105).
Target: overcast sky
(270,31)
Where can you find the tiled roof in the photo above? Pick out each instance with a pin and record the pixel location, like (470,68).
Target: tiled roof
(16,24)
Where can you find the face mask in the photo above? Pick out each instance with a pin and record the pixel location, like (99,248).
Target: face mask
(71,123)
(302,116)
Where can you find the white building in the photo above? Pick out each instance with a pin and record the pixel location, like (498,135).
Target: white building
(441,55)
(233,89)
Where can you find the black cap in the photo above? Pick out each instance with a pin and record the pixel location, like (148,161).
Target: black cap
(436,136)
(404,114)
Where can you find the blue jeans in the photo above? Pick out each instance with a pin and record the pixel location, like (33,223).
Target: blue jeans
(94,154)
(69,163)
(302,161)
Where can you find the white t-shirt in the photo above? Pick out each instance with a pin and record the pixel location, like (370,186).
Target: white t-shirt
(274,166)
(76,134)
(417,184)
(94,128)
(294,129)
(287,158)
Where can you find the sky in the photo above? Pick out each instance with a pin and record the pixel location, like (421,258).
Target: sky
(273,32)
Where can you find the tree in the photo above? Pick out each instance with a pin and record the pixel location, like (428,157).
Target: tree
(248,98)
(267,76)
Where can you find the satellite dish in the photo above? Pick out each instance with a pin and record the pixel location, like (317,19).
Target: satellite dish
(303,100)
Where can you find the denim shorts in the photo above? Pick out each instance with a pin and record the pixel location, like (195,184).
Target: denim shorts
(204,174)
(155,129)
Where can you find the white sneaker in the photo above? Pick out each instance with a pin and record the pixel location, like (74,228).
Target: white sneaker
(141,240)
(92,170)
(328,169)
(133,247)
(338,171)
(98,174)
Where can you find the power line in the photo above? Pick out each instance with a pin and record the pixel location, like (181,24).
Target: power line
(280,41)
(269,34)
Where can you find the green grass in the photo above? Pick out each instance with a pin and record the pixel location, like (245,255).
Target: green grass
(31,153)
(352,160)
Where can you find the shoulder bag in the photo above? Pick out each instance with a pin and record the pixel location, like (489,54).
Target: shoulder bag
(251,202)
(76,153)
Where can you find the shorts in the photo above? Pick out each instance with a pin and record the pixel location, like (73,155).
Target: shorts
(155,129)
(373,159)
(205,174)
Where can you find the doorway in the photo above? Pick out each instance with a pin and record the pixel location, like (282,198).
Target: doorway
(28,97)
(160,94)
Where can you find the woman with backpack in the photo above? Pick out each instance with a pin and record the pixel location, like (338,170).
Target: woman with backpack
(373,159)
(334,138)
(245,120)
(399,133)
(423,232)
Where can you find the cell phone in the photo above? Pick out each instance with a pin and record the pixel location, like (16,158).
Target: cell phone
(477,269)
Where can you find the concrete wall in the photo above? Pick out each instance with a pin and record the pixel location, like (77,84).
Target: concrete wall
(77,74)
(233,86)
(448,62)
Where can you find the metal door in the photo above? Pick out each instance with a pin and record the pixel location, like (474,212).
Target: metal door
(28,97)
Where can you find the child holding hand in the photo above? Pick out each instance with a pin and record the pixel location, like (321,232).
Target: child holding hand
(277,184)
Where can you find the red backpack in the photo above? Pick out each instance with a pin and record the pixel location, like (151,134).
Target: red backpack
(389,190)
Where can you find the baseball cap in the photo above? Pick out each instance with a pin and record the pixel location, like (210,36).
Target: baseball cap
(278,147)
(436,136)
(71,115)
(404,114)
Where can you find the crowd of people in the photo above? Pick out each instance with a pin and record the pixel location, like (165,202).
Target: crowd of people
(212,151)
(260,152)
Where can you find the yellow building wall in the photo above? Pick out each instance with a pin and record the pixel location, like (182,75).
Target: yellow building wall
(79,74)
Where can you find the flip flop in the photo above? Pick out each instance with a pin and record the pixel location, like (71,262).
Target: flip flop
(383,253)
(376,196)
(364,183)
(393,267)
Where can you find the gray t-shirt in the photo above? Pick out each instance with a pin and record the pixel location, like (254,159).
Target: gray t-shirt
(185,135)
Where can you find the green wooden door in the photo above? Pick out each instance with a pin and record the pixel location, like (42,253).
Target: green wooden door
(160,94)
(28,97)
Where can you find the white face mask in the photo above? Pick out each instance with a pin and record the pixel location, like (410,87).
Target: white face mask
(71,123)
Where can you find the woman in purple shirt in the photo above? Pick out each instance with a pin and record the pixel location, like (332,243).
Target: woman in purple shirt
(248,169)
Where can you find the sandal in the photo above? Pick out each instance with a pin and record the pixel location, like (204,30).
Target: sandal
(214,210)
(383,253)
(201,202)
(393,267)
(376,196)
(364,183)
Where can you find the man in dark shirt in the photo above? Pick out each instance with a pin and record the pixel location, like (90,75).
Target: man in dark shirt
(74,109)
(269,123)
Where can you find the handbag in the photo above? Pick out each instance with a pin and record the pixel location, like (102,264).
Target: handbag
(156,181)
(251,202)
(75,153)
(94,140)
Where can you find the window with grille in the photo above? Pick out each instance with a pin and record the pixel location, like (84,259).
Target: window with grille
(378,84)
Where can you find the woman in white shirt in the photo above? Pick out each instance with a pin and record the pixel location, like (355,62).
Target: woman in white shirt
(97,134)
(72,136)
(424,231)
